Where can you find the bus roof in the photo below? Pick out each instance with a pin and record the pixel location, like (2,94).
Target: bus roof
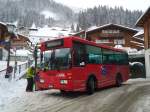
(94,44)
(75,38)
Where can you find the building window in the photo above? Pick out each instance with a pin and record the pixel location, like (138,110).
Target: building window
(102,41)
(119,41)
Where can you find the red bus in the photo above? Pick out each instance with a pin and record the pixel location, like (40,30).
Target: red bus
(75,64)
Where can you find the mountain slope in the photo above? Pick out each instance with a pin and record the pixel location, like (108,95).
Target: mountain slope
(28,11)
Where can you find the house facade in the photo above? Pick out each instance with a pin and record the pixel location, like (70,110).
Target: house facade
(3,35)
(112,35)
(20,42)
(144,22)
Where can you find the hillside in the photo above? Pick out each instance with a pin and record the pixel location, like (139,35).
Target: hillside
(51,13)
(103,15)
(41,12)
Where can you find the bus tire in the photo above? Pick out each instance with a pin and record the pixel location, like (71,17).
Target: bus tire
(119,80)
(90,85)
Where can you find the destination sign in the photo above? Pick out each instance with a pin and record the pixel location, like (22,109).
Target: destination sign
(53,44)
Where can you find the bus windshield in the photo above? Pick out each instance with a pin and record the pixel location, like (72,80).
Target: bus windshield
(57,59)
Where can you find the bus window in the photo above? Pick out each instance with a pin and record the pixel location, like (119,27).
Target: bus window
(108,57)
(121,58)
(57,59)
(94,55)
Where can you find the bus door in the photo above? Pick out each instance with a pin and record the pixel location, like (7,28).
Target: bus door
(79,65)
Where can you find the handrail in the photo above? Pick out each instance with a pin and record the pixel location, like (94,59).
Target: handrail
(19,66)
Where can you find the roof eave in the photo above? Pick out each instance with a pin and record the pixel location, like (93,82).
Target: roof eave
(139,21)
(106,25)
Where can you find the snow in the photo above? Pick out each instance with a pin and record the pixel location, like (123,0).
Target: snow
(9,90)
(33,26)
(135,63)
(15,23)
(129,50)
(48,33)
(3,64)
(118,46)
(137,79)
(92,28)
(22,52)
(117,25)
(49,14)
(3,23)
(141,32)
(13,93)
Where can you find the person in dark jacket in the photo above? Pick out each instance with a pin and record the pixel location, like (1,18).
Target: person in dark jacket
(30,79)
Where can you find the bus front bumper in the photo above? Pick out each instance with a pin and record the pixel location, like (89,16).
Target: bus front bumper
(61,84)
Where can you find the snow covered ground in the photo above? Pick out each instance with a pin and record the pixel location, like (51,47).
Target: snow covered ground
(9,90)
(13,98)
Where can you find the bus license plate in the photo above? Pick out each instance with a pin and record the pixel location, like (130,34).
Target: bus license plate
(50,86)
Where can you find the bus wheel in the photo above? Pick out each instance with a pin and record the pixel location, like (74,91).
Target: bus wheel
(91,86)
(118,80)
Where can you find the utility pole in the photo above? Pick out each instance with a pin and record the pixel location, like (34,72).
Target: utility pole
(9,46)
(11,31)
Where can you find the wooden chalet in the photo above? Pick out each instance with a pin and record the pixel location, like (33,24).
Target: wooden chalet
(112,35)
(20,42)
(3,33)
(144,21)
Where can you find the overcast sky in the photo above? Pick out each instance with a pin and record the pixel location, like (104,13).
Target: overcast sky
(129,4)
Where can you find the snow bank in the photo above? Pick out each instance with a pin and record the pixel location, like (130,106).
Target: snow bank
(138,79)
(10,89)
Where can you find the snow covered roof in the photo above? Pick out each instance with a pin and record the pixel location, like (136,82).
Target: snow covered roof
(129,50)
(92,28)
(80,32)
(116,25)
(23,36)
(11,24)
(141,32)
(2,23)
(47,33)
(142,18)
(33,27)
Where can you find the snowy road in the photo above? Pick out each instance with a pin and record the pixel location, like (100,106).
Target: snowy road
(134,96)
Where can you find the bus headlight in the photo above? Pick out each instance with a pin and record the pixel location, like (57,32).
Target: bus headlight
(63,81)
(42,80)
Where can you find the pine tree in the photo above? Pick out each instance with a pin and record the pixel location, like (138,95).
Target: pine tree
(77,28)
(72,27)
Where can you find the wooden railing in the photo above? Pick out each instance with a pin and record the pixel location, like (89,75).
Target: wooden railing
(16,73)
